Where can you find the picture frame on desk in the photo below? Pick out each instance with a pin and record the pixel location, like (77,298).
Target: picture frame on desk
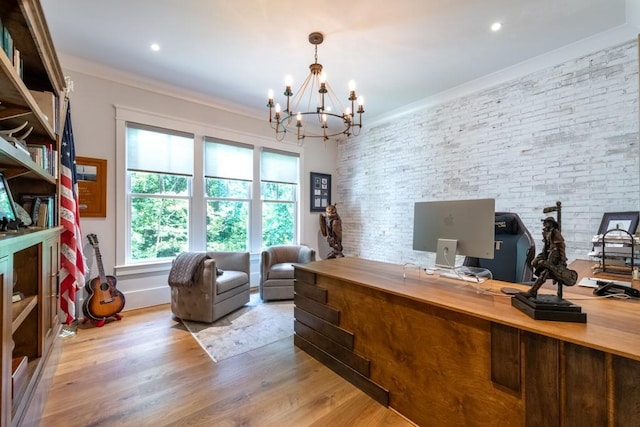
(627,221)
(7,207)
(320,191)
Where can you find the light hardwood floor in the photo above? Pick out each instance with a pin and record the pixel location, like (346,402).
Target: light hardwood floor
(147,370)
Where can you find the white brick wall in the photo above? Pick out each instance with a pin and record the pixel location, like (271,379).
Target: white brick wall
(567,132)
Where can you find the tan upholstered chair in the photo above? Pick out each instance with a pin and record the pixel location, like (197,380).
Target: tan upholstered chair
(276,269)
(213,296)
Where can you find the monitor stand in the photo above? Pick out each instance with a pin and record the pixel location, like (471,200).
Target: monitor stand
(446,253)
(445,265)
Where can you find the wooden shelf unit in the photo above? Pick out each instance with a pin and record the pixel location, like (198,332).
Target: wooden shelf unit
(29,258)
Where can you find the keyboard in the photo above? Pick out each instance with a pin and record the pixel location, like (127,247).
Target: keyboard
(462,276)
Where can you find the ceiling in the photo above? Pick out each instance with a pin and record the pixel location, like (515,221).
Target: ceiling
(399,52)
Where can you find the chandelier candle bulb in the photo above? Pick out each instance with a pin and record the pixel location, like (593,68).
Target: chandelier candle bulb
(270,104)
(299,123)
(288,82)
(277,116)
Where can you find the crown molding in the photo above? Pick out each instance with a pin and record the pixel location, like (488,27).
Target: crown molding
(94,69)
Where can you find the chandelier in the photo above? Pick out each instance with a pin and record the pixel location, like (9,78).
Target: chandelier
(315,111)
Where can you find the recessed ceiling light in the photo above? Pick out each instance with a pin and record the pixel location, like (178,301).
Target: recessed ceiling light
(496,26)
(155,47)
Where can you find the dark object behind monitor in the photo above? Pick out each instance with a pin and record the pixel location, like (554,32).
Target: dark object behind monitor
(514,250)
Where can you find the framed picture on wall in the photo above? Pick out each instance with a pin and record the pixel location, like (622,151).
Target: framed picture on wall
(320,191)
(92,187)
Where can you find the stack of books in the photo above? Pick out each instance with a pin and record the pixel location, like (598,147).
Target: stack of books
(41,208)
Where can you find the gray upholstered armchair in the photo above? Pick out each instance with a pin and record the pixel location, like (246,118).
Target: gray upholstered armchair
(212,296)
(276,269)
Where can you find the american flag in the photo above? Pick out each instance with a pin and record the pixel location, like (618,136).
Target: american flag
(72,261)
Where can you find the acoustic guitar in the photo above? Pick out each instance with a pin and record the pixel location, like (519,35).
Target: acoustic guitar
(104,299)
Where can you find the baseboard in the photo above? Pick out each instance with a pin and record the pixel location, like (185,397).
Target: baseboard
(147,297)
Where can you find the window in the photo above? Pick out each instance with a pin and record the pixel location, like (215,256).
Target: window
(159,177)
(279,191)
(228,183)
(188,186)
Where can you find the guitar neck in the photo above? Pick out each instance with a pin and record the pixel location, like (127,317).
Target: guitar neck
(103,276)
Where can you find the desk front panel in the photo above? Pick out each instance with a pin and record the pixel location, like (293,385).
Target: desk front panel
(445,367)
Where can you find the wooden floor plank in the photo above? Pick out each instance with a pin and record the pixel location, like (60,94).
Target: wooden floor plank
(148,370)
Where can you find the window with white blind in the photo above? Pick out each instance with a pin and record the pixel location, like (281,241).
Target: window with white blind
(228,176)
(185,186)
(279,179)
(159,178)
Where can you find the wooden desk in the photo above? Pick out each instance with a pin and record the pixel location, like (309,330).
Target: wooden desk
(441,353)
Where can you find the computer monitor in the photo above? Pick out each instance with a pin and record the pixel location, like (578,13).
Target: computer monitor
(454,227)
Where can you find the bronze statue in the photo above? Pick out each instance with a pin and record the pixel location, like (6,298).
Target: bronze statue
(551,263)
(331,228)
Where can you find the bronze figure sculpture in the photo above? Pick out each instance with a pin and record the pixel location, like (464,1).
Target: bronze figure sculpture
(331,228)
(551,263)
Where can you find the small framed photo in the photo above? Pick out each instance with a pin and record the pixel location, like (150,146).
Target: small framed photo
(626,221)
(320,191)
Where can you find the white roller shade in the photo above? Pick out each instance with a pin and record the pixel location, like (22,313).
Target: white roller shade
(158,150)
(230,161)
(279,167)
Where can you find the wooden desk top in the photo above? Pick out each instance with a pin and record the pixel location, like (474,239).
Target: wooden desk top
(613,325)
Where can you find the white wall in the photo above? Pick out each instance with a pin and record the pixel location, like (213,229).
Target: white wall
(567,131)
(94,126)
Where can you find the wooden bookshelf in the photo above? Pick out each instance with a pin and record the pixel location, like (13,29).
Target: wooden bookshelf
(29,257)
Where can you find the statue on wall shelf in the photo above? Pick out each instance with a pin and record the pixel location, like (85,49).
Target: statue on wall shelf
(331,228)
(551,263)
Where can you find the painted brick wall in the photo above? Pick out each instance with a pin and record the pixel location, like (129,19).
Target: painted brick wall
(567,132)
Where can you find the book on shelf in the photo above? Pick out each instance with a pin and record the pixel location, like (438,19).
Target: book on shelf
(43,218)
(7,43)
(17,62)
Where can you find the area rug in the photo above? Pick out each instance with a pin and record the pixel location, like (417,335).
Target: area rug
(255,325)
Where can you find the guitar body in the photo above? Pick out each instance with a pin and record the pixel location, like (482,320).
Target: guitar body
(104,299)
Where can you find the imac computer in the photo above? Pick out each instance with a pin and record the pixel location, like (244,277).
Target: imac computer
(454,227)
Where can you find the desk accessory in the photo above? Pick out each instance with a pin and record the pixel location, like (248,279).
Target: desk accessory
(551,263)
